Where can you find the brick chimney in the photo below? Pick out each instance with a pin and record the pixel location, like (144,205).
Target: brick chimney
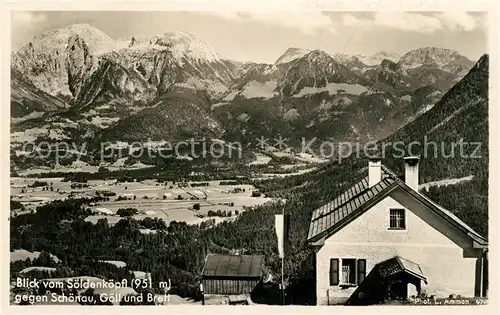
(411,171)
(374,171)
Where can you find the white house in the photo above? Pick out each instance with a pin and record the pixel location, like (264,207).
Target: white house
(142,275)
(105,211)
(127,195)
(383,230)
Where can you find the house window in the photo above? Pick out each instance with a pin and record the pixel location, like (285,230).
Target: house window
(361,270)
(334,271)
(397,219)
(348,271)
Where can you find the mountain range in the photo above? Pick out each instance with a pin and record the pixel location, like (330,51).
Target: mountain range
(79,83)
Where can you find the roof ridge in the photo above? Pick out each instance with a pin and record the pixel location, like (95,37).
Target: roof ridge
(450,214)
(447,212)
(389,172)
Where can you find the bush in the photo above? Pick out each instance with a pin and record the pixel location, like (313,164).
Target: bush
(229,183)
(196,206)
(127,212)
(16,205)
(256,193)
(38,184)
(153,223)
(200,184)
(79,185)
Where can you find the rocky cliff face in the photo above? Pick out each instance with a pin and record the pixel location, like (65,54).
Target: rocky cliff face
(69,61)
(79,63)
(291,54)
(26,100)
(46,58)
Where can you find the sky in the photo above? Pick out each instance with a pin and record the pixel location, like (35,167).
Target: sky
(261,36)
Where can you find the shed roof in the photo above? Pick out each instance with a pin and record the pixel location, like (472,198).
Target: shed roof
(233,266)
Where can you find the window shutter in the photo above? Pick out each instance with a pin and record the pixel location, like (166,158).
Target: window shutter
(361,270)
(334,271)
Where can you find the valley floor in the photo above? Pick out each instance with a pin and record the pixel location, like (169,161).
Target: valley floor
(167,201)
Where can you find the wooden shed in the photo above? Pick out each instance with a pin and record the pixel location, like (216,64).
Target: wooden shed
(231,274)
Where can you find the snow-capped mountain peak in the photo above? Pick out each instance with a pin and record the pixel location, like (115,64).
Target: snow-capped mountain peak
(181,44)
(318,55)
(342,58)
(291,54)
(57,39)
(447,59)
(377,58)
(184,44)
(49,57)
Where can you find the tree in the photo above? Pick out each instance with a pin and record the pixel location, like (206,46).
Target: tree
(255,193)
(196,206)
(44,260)
(127,212)
(63,272)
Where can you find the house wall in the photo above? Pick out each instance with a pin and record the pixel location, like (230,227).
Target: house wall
(443,253)
(228,286)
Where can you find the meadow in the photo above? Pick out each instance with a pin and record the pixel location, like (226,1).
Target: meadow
(188,202)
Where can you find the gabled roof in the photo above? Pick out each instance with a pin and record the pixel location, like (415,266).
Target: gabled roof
(353,202)
(233,266)
(447,215)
